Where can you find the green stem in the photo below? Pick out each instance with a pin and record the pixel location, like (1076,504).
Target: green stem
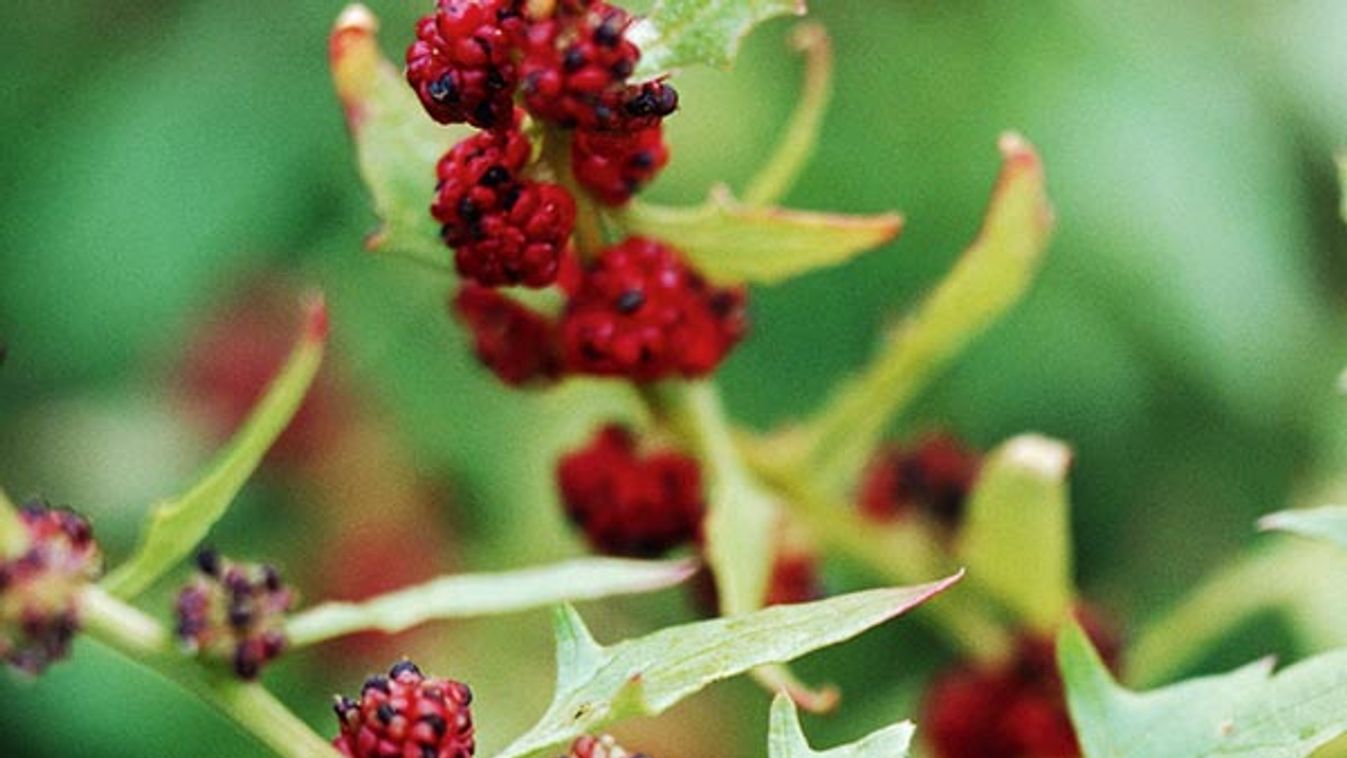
(590,233)
(141,639)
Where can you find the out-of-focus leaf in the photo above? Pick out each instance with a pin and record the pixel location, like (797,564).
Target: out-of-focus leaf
(690,32)
(786,739)
(467,595)
(176,526)
(1247,713)
(598,685)
(397,144)
(1016,541)
(1342,181)
(731,242)
(991,276)
(13,536)
(1328,523)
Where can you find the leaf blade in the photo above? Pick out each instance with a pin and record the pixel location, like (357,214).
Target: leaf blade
(1327,523)
(786,738)
(679,33)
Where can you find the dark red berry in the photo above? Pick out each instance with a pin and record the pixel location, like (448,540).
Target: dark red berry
(640,312)
(234,613)
(599,747)
(630,504)
(932,478)
(516,343)
(615,165)
(406,715)
(40,586)
(794,579)
(462,63)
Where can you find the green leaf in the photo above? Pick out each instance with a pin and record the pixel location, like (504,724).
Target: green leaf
(991,276)
(13,535)
(397,145)
(679,33)
(1247,713)
(468,595)
(1328,523)
(597,686)
(1016,541)
(732,243)
(1341,160)
(176,526)
(786,739)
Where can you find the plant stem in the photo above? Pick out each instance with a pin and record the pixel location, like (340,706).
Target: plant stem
(590,234)
(140,638)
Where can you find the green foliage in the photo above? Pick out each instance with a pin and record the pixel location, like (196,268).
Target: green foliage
(1328,523)
(598,685)
(678,33)
(786,739)
(1249,712)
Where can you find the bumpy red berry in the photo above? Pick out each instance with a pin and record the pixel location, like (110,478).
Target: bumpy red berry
(234,613)
(932,478)
(462,63)
(615,165)
(630,504)
(599,747)
(516,343)
(640,312)
(406,715)
(40,586)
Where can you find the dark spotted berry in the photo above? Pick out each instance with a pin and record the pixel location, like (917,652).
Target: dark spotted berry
(462,64)
(641,313)
(613,166)
(406,715)
(516,343)
(234,613)
(40,584)
(599,747)
(931,478)
(630,504)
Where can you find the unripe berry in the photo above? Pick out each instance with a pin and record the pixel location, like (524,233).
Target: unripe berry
(406,715)
(642,313)
(462,62)
(615,165)
(40,587)
(628,504)
(234,613)
(932,478)
(516,343)
(599,747)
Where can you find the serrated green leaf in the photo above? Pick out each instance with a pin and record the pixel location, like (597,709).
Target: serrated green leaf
(679,33)
(991,276)
(600,685)
(175,527)
(1247,713)
(786,739)
(1016,541)
(397,145)
(467,595)
(1328,523)
(732,243)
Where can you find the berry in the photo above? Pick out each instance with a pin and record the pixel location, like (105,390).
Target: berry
(517,344)
(462,62)
(599,747)
(505,229)
(1009,710)
(234,613)
(932,478)
(406,715)
(794,578)
(631,505)
(641,313)
(615,165)
(40,586)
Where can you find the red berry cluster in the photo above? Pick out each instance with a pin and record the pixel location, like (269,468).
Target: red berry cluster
(462,64)
(39,587)
(631,504)
(406,715)
(599,747)
(234,612)
(1013,709)
(516,343)
(615,165)
(932,478)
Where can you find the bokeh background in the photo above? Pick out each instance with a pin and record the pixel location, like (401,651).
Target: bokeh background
(177,171)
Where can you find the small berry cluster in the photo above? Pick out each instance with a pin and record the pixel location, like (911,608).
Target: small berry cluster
(234,613)
(406,715)
(599,747)
(40,586)
(930,479)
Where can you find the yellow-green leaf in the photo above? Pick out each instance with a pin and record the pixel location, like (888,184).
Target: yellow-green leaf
(785,738)
(680,33)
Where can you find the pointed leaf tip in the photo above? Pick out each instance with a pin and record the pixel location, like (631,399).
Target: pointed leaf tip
(316,320)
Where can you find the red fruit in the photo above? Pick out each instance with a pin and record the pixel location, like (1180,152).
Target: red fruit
(615,165)
(40,586)
(641,313)
(631,505)
(462,62)
(794,578)
(599,747)
(932,478)
(516,343)
(406,715)
(234,613)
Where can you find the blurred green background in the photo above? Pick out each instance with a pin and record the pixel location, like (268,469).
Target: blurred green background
(159,155)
